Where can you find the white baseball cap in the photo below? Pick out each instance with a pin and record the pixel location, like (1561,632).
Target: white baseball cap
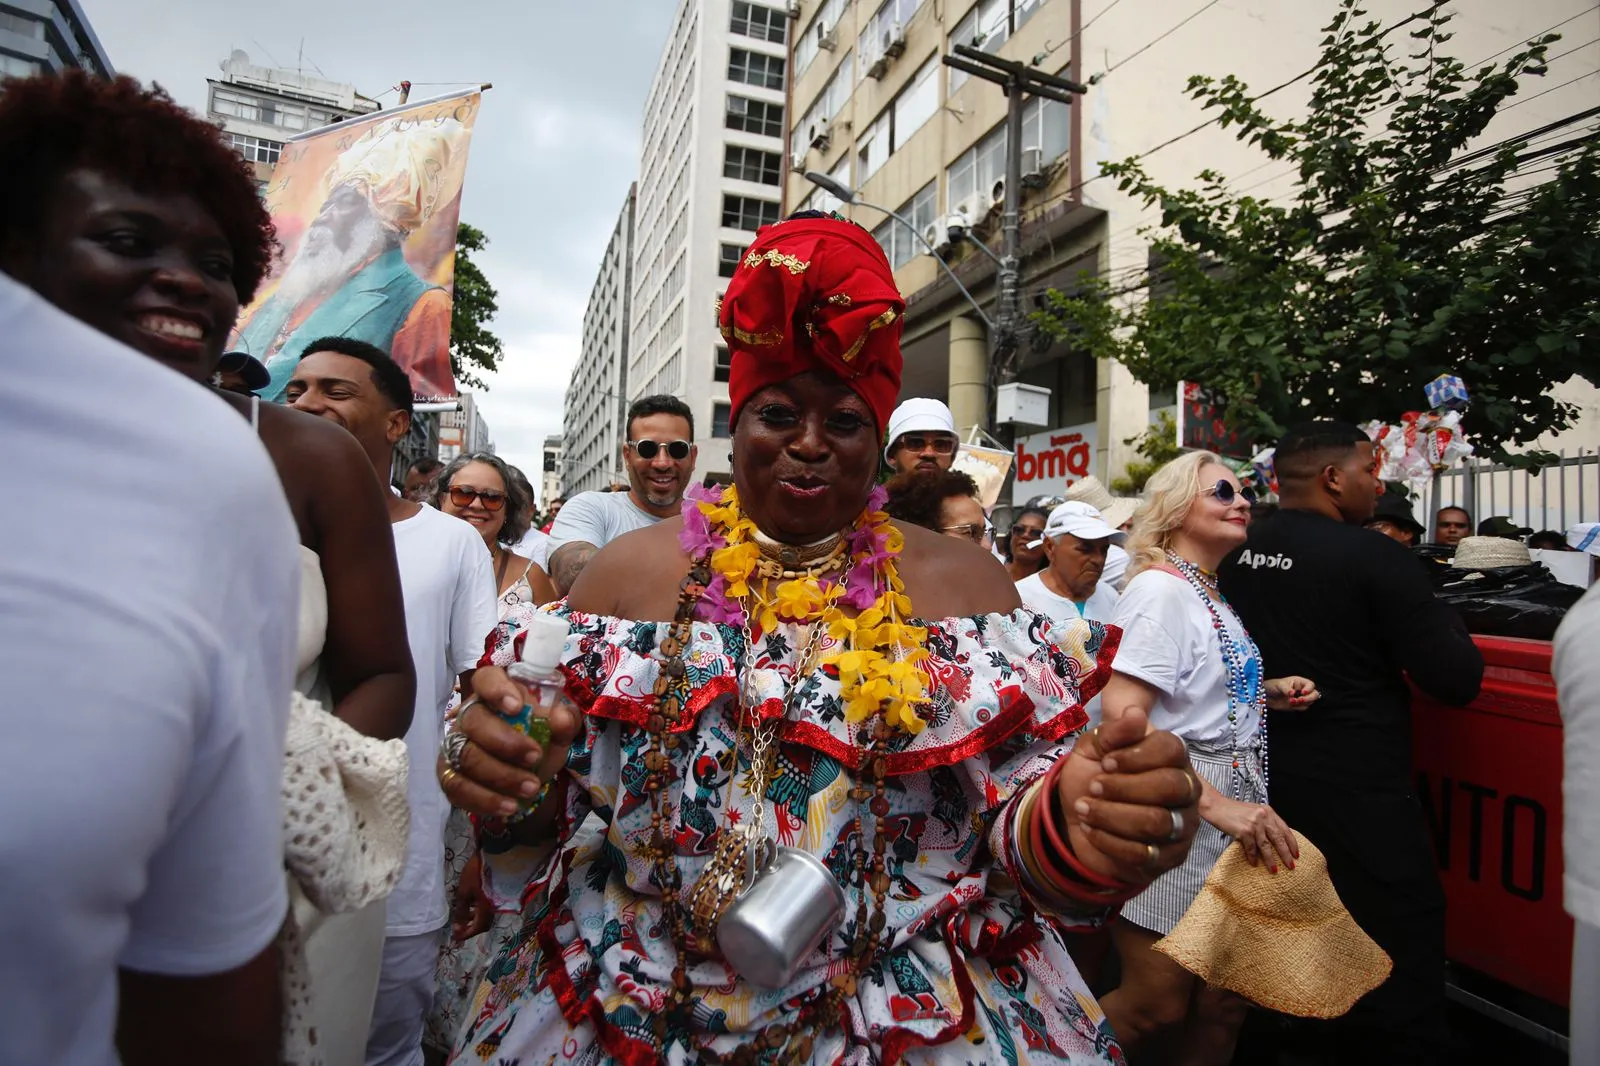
(918,415)
(1585,537)
(1082,520)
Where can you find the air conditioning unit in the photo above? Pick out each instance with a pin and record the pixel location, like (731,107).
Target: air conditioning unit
(1033,175)
(937,236)
(969,209)
(797,161)
(827,36)
(794,10)
(879,68)
(997,192)
(820,134)
(894,41)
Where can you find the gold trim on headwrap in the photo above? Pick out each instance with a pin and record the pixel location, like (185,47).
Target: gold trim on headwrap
(777,259)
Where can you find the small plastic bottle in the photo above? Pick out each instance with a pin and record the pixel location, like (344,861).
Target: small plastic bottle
(542,648)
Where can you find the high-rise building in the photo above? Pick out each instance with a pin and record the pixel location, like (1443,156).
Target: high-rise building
(874,107)
(550,484)
(41,35)
(710,174)
(463,430)
(597,393)
(261,107)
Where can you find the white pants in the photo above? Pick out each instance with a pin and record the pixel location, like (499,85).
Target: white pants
(343,954)
(1585,1024)
(405,995)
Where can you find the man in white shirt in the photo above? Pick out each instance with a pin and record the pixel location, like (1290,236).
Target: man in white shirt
(1076,540)
(659,455)
(144,688)
(448,585)
(1577,674)
(1117,511)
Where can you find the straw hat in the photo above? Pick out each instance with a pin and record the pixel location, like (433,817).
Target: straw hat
(1116,510)
(1282,940)
(1487,553)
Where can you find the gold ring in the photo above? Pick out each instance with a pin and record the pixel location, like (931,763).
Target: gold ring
(1196,790)
(1152,855)
(1094,738)
(446,775)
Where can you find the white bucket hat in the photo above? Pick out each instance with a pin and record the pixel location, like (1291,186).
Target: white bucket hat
(1080,519)
(918,415)
(1488,553)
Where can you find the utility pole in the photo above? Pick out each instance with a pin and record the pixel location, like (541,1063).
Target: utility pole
(1020,82)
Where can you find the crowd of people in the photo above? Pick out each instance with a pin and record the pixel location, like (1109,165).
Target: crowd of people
(837,774)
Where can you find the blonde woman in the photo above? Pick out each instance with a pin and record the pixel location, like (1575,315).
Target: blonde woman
(1187,662)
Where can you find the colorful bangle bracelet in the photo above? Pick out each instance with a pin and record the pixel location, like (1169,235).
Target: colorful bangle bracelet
(1050,876)
(1062,848)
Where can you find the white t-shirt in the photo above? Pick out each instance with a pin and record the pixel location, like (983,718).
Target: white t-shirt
(598,518)
(1116,572)
(534,546)
(448,585)
(1577,673)
(144,683)
(1170,642)
(1099,607)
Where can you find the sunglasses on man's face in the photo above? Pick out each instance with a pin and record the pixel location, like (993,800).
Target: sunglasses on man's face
(677,450)
(1225,493)
(463,497)
(916,442)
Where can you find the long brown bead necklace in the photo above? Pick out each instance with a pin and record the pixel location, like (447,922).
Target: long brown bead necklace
(794,1040)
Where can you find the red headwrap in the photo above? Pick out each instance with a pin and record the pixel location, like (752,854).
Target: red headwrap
(814,294)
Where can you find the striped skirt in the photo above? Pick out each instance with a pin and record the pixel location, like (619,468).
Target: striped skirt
(1159,906)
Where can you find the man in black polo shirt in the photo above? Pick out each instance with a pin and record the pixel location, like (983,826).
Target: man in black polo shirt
(1350,609)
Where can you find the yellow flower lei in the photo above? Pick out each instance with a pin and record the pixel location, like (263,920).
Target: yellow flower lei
(879,651)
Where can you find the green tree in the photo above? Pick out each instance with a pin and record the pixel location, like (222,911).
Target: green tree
(1158,445)
(1399,256)
(474,349)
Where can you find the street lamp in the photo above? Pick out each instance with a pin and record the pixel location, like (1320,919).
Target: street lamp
(847,195)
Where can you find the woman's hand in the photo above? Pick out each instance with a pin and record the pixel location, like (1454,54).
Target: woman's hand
(501,765)
(1265,836)
(471,912)
(1130,798)
(1291,693)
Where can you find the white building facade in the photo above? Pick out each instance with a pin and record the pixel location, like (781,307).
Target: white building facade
(597,393)
(710,174)
(550,482)
(261,107)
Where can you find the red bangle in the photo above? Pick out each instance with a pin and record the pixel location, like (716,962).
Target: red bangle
(1063,850)
(1050,879)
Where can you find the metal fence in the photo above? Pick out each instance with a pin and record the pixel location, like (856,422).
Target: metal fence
(1557,498)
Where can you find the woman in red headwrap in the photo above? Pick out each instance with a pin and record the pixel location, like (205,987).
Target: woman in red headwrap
(824,796)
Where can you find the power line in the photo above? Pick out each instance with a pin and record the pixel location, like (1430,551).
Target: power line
(1128,59)
(1050,51)
(1552,89)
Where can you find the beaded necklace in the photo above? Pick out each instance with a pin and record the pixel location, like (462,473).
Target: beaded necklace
(1236,657)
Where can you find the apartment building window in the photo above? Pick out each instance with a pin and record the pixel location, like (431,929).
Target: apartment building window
(989,25)
(754,68)
(900,244)
(15,67)
(909,111)
(752,164)
(755,116)
(25,27)
(728,260)
(258,109)
(821,26)
(724,364)
(762,23)
(891,19)
(977,169)
(719,421)
(821,199)
(256,149)
(747,212)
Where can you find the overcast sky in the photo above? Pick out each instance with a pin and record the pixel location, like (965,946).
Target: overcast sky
(552,154)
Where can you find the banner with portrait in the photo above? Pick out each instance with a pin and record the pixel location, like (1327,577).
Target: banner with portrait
(366,212)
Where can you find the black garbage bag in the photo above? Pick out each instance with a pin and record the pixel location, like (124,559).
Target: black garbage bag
(1508,601)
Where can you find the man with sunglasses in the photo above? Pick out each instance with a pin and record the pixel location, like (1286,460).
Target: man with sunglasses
(659,455)
(922,436)
(1326,599)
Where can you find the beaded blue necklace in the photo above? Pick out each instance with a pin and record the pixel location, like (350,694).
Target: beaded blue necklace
(1245,686)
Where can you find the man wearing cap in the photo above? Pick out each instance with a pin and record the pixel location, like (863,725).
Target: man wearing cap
(922,436)
(1501,526)
(240,373)
(349,276)
(1118,514)
(1392,517)
(1072,585)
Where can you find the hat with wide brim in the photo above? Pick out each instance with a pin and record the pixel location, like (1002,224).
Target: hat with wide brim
(1489,553)
(1116,510)
(1281,940)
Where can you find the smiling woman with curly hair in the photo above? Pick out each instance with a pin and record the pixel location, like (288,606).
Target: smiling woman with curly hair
(133,216)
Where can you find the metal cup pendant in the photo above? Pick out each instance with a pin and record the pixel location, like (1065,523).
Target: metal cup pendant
(790,906)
